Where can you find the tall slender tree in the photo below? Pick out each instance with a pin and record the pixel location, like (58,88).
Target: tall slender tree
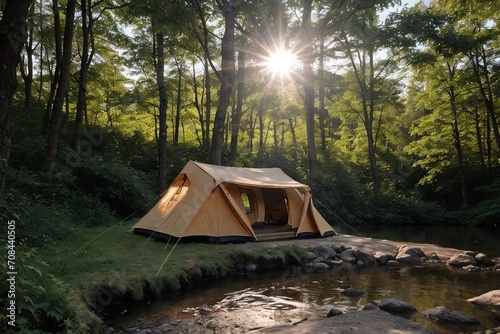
(62,89)
(13,35)
(228,71)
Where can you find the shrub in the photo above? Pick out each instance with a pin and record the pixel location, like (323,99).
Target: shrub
(124,189)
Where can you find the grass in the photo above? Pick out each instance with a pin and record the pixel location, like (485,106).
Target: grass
(121,264)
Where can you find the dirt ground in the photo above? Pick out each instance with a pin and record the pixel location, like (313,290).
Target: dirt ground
(369,245)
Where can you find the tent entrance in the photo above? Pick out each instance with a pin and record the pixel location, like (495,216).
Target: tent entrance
(275,206)
(274,216)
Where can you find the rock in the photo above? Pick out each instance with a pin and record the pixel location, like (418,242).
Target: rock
(408,250)
(365,257)
(394,264)
(484,260)
(351,292)
(408,255)
(434,258)
(311,256)
(344,248)
(320,266)
(324,251)
(443,314)
(382,257)
(408,259)
(359,263)
(337,249)
(369,307)
(462,260)
(334,312)
(333,263)
(349,255)
(491,298)
(471,268)
(396,305)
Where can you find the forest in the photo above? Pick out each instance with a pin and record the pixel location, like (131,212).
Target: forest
(388,110)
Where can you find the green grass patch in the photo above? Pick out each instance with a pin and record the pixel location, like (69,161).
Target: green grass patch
(102,265)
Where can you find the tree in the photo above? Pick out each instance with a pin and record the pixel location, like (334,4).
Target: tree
(13,35)
(228,71)
(62,90)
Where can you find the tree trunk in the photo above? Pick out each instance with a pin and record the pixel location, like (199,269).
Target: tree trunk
(307,61)
(323,113)
(162,92)
(55,78)
(480,64)
(457,141)
(13,34)
(235,130)
(208,104)
(62,88)
(227,78)
(27,68)
(86,60)
(178,105)
(199,109)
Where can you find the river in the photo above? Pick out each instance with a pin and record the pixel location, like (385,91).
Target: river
(263,299)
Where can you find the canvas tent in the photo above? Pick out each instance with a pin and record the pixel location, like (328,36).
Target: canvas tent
(224,204)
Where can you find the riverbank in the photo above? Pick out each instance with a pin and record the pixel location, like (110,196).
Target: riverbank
(119,265)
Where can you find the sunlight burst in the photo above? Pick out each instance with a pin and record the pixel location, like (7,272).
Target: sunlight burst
(281,63)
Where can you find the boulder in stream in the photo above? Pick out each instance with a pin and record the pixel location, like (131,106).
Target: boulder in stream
(491,298)
(396,305)
(444,314)
(462,260)
(324,251)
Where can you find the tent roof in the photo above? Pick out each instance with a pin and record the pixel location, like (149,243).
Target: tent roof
(262,177)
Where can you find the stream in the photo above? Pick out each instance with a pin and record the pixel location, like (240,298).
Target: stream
(262,299)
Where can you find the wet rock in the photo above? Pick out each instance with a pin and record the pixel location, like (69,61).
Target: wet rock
(382,257)
(365,257)
(394,264)
(462,260)
(349,255)
(434,258)
(396,305)
(334,312)
(444,314)
(324,251)
(491,298)
(320,266)
(484,260)
(352,292)
(359,263)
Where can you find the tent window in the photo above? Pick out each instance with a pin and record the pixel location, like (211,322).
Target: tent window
(247,202)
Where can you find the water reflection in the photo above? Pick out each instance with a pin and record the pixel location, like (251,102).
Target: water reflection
(295,296)
(479,238)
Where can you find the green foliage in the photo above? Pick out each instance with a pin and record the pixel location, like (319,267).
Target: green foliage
(121,187)
(41,298)
(487,212)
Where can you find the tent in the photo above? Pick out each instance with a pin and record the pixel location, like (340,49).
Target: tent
(231,204)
